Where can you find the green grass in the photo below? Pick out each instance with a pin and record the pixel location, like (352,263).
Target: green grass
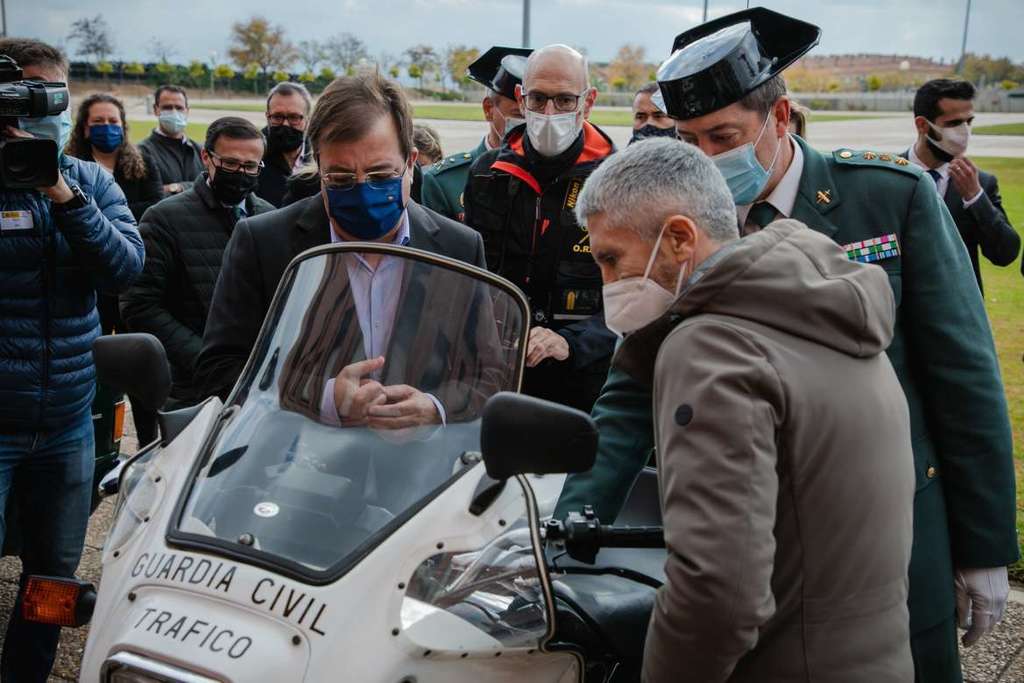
(1000,129)
(1004,299)
(140,130)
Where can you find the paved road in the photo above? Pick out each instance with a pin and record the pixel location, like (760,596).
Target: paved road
(888,133)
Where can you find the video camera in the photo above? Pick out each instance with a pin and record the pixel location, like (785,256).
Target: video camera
(27,163)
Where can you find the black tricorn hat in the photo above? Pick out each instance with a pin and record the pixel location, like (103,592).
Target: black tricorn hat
(501,69)
(723,60)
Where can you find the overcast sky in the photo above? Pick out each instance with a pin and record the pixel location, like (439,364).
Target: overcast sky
(931,28)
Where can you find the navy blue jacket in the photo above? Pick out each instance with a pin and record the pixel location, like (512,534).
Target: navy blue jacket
(49,274)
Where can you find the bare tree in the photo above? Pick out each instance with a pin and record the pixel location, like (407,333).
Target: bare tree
(162,51)
(311,53)
(93,37)
(344,52)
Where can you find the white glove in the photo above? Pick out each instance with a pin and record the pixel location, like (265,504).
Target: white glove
(981,596)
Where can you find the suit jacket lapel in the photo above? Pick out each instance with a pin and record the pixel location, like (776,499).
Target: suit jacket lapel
(818,194)
(954,202)
(311,230)
(423,231)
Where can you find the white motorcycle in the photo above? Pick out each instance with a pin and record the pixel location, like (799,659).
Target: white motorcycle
(270,538)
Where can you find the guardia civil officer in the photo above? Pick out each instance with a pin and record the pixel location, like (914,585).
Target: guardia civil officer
(499,70)
(521,199)
(722,85)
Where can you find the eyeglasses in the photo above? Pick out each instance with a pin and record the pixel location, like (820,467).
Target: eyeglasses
(234,165)
(564,102)
(346,181)
(292,119)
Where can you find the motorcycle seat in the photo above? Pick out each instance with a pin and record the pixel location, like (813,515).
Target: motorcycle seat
(607,614)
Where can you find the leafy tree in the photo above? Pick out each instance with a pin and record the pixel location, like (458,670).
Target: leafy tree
(416,72)
(311,53)
(424,60)
(619,83)
(344,51)
(280,76)
(629,67)
(223,72)
(874,83)
(394,71)
(327,73)
(252,73)
(164,68)
(196,70)
(134,69)
(105,68)
(457,59)
(93,37)
(307,77)
(258,42)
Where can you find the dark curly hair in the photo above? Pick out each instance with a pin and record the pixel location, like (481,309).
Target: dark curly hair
(129,159)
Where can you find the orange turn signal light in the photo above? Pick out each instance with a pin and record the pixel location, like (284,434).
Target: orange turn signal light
(58,601)
(118,420)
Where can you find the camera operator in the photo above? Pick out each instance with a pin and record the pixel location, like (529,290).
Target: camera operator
(58,245)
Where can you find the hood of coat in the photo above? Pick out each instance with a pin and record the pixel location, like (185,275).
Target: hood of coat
(787,277)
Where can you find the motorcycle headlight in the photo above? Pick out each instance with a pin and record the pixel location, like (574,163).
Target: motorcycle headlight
(126,667)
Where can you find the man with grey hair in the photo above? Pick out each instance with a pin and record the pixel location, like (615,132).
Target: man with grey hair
(521,197)
(779,567)
(288,107)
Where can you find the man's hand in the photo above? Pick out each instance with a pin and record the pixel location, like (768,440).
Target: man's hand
(58,193)
(981,596)
(544,343)
(173,188)
(354,394)
(406,407)
(964,175)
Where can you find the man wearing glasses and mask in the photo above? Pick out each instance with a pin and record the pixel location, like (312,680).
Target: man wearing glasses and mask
(521,198)
(360,133)
(288,106)
(185,237)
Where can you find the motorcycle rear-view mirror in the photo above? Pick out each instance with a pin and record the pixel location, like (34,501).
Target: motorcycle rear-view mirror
(135,364)
(526,435)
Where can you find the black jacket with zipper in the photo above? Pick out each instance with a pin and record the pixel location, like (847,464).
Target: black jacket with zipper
(523,206)
(185,237)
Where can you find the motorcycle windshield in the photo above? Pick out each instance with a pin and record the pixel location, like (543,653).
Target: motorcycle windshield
(363,393)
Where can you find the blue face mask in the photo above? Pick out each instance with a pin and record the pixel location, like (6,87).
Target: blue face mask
(367,211)
(743,173)
(56,128)
(172,121)
(106,137)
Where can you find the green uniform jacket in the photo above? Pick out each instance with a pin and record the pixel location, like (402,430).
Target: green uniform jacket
(445,181)
(964,506)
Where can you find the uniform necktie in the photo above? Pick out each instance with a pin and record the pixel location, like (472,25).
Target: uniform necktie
(936,176)
(761,214)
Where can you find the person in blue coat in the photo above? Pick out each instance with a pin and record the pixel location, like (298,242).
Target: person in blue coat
(58,246)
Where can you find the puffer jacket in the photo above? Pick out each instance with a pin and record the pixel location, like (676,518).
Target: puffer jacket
(49,275)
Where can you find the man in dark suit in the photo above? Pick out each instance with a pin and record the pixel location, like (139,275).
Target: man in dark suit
(361,135)
(943,114)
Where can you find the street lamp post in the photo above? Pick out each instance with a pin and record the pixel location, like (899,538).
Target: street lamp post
(213,67)
(963,44)
(526,23)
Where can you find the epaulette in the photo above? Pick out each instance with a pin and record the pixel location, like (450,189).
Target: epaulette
(454,161)
(893,162)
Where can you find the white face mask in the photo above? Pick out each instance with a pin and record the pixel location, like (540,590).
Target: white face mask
(552,134)
(635,302)
(954,140)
